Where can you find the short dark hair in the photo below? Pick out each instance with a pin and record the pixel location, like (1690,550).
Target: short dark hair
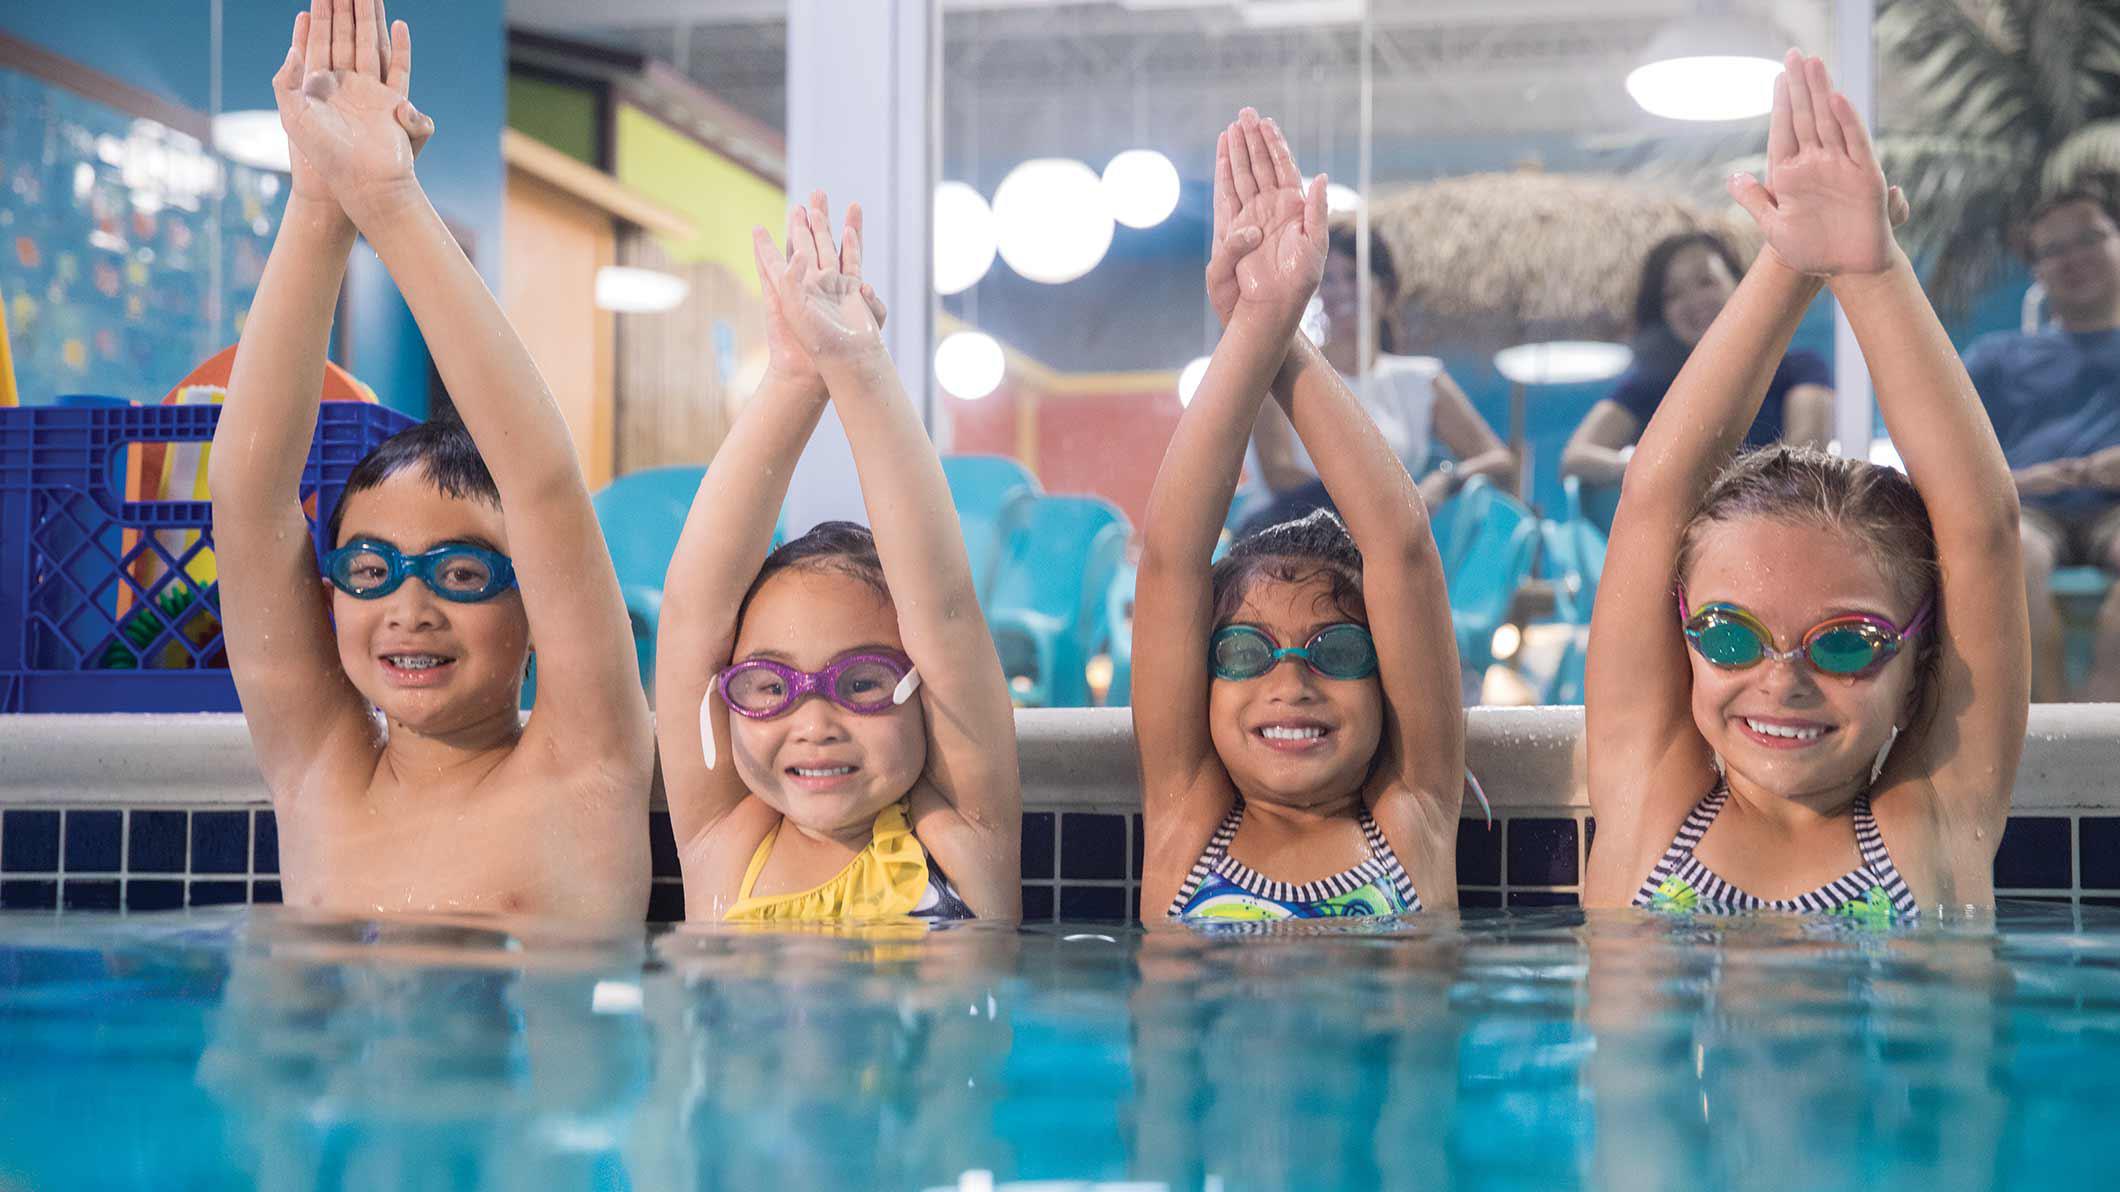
(1649,292)
(842,546)
(2021,235)
(443,452)
(1292,552)
(1340,238)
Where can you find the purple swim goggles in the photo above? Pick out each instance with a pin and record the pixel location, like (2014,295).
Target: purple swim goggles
(761,689)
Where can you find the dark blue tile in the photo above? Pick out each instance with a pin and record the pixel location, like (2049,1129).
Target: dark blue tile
(265,843)
(1589,832)
(219,893)
(1135,872)
(95,841)
(2034,854)
(1038,845)
(1092,904)
(1092,846)
(156,842)
(98,895)
(220,842)
(29,841)
(1541,852)
(265,892)
(2098,851)
(2101,902)
(1133,905)
(1543,898)
(29,895)
(1037,903)
(154,894)
(662,847)
(666,902)
(1479,853)
(1479,898)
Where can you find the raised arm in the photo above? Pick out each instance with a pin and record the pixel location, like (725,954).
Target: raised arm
(970,717)
(591,709)
(1832,208)
(1173,608)
(725,540)
(298,702)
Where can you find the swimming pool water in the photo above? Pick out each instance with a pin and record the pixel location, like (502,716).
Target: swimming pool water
(261,1048)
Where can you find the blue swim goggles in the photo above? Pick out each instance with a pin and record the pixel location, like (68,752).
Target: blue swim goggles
(367,569)
(1342,651)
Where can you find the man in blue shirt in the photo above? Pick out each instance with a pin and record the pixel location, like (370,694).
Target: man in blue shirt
(2054,397)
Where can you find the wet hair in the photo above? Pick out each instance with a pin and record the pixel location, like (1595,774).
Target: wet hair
(443,452)
(1649,292)
(845,547)
(1875,505)
(1340,238)
(1292,552)
(2021,234)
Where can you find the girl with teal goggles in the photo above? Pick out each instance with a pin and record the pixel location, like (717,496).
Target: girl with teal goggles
(1342,651)
(1856,645)
(369,569)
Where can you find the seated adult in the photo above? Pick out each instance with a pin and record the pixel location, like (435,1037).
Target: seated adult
(1411,399)
(2054,397)
(1685,281)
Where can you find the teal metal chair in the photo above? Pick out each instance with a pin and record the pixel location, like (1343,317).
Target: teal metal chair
(1119,636)
(1048,608)
(1574,560)
(993,495)
(2080,591)
(641,515)
(1496,553)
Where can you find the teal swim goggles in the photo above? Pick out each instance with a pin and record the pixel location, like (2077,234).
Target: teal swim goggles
(1342,651)
(368,569)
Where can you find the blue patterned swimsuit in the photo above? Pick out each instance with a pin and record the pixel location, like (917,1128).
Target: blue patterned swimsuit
(1222,887)
(1873,890)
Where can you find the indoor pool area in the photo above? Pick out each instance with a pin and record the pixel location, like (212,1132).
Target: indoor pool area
(1489,1049)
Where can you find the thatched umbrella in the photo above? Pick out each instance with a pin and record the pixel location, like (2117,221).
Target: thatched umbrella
(1488,260)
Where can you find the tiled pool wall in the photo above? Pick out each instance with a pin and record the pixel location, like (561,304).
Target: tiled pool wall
(147,813)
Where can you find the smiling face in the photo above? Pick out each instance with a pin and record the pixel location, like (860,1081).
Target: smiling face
(434,665)
(1780,726)
(2076,255)
(1696,285)
(1292,736)
(829,770)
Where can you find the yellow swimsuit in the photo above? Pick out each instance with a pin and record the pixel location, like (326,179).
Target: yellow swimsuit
(891,878)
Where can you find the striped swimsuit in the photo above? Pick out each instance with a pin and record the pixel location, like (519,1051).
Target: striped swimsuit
(1222,887)
(1873,891)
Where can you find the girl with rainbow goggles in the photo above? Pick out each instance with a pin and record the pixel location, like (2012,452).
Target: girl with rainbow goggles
(1807,674)
(837,737)
(1296,705)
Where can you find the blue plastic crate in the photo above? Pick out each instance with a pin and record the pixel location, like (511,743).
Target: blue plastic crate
(79,632)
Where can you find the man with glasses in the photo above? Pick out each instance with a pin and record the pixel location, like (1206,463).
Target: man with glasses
(2054,397)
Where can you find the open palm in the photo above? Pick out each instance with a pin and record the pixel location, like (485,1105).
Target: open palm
(1269,234)
(816,297)
(342,96)
(1825,208)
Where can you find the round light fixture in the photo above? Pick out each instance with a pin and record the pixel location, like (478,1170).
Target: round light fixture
(1142,187)
(964,237)
(628,290)
(1563,362)
(1713,66)
(1052,220)
(252,138)
(1189,380)
(969,364)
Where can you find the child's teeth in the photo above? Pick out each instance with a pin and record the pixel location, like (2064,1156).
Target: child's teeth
(414,661)
(834,772)
(1291,734)
(1785,730)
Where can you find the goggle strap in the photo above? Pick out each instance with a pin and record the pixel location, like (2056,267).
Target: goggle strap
(706,723)
(906,687)
(1473,781)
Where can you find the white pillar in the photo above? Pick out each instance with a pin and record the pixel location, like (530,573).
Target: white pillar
(861,126)
(1855,69)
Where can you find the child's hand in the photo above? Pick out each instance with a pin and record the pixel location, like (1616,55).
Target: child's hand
(1269,240)
(1825,208)
(352,133)
(816,296)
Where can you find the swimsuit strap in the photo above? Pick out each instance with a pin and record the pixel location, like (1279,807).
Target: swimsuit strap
(1682,845)
(1380,849)
(1217,848)
(758,861)
(1870,840)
